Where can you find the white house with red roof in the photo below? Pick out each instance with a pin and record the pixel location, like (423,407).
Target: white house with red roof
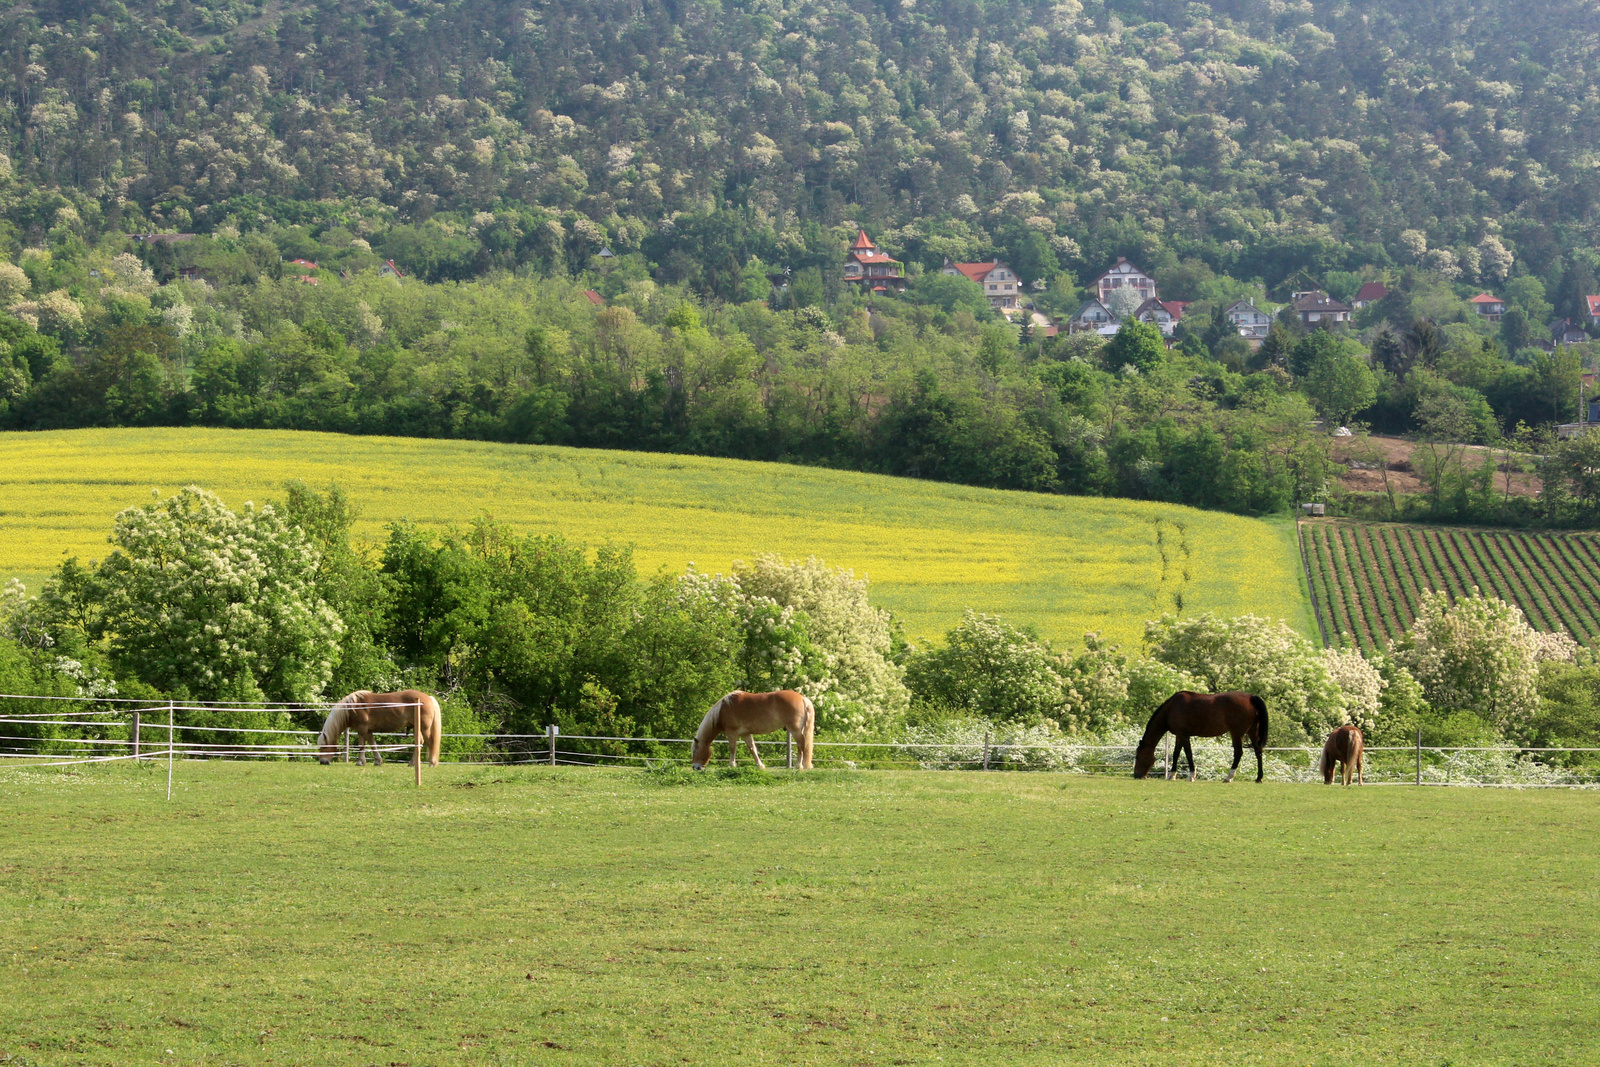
(998,281)
(1160,314)
(1593,303)
(869,267)
(1490,307)
(1124,275)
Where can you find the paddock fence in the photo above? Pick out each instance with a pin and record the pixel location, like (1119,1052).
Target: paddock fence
(79,731)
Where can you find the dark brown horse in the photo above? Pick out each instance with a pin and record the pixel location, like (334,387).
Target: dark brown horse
(1189,715)
(1344,746)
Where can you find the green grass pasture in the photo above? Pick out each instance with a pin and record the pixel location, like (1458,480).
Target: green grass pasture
(1064,564)
(276,914)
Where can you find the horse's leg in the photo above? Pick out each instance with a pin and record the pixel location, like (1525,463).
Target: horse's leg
(1188,749)
(750,740)
(733,749)
(362,741)
(1238,754)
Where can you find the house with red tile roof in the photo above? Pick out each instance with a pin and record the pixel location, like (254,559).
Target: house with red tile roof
(1490,307)
(870,267)
(1369,293)
(1594,309)
(999,282)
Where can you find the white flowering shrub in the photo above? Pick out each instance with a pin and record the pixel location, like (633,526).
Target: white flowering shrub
(1478,654)
(1361,685)
(852,641)
(1255,655)
(993,670)
(776,651)
(217,603)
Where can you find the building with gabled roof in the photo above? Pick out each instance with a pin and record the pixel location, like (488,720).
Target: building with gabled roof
(1157,314)
(1317,308)
(870,267)
(1091,315)
(1252,322)
(1369,293)
(999,282)
(1124,275)
(1593,303)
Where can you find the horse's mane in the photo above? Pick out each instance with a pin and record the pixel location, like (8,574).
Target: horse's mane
(339,716)
(1158,722)
(711,723)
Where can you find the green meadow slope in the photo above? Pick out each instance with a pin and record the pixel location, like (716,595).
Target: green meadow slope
(1066,565)
(297,914)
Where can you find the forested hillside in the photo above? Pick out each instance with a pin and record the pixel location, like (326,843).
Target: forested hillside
(1260,137)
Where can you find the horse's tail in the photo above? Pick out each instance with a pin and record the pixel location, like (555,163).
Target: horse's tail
(1261,720)
(808,733)
(436,733)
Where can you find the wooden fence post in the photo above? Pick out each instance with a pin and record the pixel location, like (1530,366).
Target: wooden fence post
(1419,755)
(347,744)
(986,750)
(553,730)
(789,738)
(416,744)
(135,734)
(170,736)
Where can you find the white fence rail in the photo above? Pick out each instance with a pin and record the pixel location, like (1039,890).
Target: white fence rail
(133,730)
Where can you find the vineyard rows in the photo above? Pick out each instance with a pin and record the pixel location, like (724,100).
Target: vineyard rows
(1368,579)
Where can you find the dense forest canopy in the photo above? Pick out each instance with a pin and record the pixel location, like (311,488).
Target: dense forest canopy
(1260,137)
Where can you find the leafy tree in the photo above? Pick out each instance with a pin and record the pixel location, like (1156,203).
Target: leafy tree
(990,669)
(1341,386)
(219,604)
(1477,655)
(1137,345)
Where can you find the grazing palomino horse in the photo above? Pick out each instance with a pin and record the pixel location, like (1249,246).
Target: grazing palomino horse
(1189,715)
(1344,746)
(367,713)
(741,714)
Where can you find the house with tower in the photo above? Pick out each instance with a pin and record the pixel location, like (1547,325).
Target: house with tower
(870,267)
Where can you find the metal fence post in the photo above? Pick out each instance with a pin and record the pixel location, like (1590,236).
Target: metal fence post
(1419,755)
(169,749)
(552,730)
(986,750)
(135,735)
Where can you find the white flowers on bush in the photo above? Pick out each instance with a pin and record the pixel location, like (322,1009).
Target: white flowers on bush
(810,627)
(218,603)
(1359,682)
(1478,654)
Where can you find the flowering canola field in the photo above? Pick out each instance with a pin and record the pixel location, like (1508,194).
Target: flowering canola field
(1065,565)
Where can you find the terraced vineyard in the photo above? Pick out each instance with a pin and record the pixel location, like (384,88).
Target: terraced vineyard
(1367,579)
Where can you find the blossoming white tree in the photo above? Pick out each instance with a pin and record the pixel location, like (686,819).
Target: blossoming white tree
(218,603)
(1480,655)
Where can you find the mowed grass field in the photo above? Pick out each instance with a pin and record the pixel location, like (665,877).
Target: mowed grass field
(1066,565)
(308,915)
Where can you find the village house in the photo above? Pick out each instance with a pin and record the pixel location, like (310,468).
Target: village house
(1566,332)
(868,266)
(1093,315)
(1124,275)
(1594,309)
(1490,307)
(1369,294)
(998,281)
(1251,322)
(1164,315)
(1317,308)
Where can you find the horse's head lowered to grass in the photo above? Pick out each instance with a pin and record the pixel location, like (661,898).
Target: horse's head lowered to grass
(741,714)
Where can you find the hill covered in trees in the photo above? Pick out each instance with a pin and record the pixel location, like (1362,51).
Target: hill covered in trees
(1259,139)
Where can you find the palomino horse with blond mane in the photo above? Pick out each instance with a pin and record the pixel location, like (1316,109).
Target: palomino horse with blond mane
(1344,746)
(741,714)
(367,713)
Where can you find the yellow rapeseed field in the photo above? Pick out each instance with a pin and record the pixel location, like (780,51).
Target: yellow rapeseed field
(1063,564)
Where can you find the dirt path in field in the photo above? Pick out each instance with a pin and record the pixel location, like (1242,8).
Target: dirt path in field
(1362,475)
